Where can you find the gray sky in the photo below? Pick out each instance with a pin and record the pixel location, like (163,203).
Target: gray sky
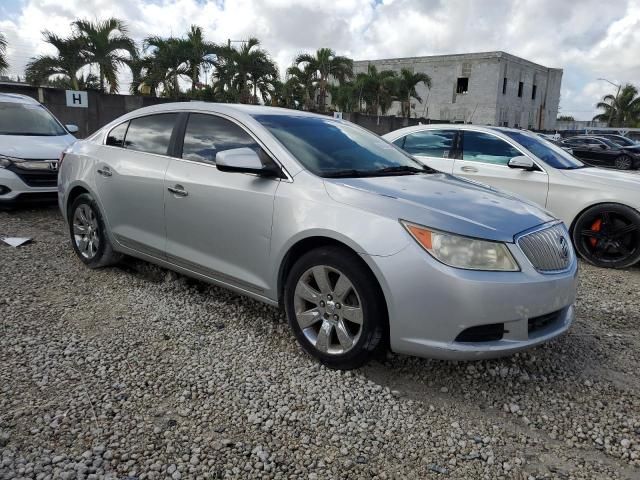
(588,39)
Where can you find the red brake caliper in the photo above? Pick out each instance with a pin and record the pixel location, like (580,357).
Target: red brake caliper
(595,227)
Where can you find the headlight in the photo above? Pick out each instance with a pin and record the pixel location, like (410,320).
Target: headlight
(463,252)
(6,160)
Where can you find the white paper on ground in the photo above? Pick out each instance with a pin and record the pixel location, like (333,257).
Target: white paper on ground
(16,241)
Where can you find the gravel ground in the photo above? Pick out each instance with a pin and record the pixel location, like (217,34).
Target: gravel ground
(136,372)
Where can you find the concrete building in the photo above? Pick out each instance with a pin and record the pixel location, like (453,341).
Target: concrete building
(492,88)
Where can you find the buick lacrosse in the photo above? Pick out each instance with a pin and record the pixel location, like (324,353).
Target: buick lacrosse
(363,247)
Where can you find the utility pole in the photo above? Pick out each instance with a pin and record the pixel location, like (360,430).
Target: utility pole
(615,100)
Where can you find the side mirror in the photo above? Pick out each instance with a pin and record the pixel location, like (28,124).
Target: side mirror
(244,160)
(71,128)
(525,163)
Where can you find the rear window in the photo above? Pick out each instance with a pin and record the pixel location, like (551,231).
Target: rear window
(28,119)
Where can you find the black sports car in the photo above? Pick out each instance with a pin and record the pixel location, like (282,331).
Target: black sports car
(602,152)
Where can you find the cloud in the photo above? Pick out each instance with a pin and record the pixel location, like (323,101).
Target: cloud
(588,40)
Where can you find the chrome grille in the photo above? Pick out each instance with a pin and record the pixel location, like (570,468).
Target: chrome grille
(548,250)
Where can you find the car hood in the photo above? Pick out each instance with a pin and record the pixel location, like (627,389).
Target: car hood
(34,146)
(441,201)
(603,177)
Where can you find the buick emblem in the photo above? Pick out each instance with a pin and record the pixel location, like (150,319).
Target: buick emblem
(53,166)
(564,247)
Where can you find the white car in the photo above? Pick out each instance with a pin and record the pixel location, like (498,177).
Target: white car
(600,207)
(31,141)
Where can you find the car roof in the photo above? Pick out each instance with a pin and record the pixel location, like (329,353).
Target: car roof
(230,108)
(17,98)
(453,126)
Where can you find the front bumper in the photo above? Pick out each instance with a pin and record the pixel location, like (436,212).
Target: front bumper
(13,190)
(441,312)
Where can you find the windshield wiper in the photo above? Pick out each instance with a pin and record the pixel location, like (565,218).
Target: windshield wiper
(346,173)
(381,172)
(404,169)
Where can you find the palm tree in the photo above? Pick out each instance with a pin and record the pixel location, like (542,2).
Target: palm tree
(377,89)
(344,96)
(326,64)
(163,66)
(621,110)
(302,81)
(239,71)
(406,88)
(199,53)
(106,42)
(65,65)
(3,54)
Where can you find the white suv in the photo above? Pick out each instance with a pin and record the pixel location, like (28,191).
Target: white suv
(31,141)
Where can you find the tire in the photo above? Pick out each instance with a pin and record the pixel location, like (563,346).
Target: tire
(624,162)
(336,290)
(88,234)
(608,235)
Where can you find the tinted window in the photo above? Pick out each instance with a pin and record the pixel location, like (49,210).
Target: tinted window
(326,146)
(207,135)
(28,119)
(430,143)
(551,154)
(115,138)
(482,147)
(152,133)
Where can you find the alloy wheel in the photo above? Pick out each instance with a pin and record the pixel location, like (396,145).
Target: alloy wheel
(623,162)
(86,233)
(611,237)
(328,309)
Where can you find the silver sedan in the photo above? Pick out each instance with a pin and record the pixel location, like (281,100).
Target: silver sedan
(363,247)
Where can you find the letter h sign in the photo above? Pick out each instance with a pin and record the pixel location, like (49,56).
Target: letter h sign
(77,99)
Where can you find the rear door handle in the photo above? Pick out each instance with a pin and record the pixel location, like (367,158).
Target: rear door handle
(105,171)
(469,169)
(178,190)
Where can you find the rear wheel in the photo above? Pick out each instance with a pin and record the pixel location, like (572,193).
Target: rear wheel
(335,307)
(88,234)
(624,162)
(608,235)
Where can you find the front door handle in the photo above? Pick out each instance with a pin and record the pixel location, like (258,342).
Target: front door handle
(178,191)
(469,169)
(105,171)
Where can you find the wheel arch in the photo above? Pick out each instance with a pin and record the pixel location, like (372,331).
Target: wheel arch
(309,243)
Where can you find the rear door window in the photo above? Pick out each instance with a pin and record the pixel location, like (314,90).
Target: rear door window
(151,134)
(430,143)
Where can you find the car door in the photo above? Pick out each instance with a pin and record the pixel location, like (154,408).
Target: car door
(485,158)
(130,181)
(218,223)
(435,148)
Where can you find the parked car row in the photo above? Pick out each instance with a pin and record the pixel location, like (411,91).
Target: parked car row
(605,151)
(366,243)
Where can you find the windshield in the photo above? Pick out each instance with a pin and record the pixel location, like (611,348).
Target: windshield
(608,142)
(551,154)
(623,141)
(25,119)
(331,148)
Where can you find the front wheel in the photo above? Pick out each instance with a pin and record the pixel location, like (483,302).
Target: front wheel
(88,235)
(335,307)
(608,235)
